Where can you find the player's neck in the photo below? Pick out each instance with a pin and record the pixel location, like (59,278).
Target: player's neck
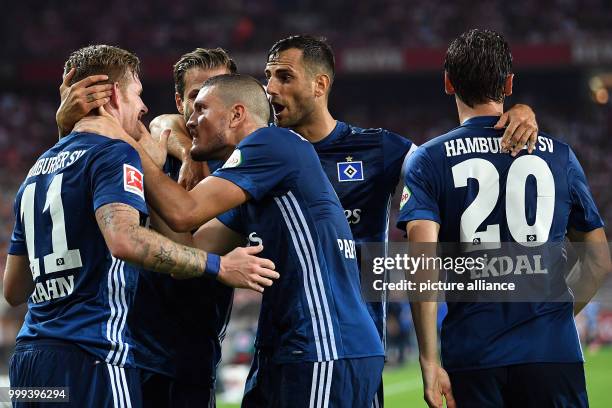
(245,131)
(485,109)
(317,127)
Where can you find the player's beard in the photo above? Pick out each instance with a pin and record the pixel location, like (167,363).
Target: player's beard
(215,148)
(301,112)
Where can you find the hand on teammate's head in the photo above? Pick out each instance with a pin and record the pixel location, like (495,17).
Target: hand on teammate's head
(80,98)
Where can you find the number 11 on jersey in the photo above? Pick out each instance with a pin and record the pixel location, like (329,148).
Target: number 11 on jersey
(61,258)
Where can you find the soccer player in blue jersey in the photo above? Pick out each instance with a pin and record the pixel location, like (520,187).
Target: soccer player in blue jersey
(191,351)
(500,354)
(190,72)
(363,165)
(75,245)
(317,342)
(179,350)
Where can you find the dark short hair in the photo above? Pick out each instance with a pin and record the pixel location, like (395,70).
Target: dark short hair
(315,51)
(478,63)
(205,58)
(102,59)
(234,88)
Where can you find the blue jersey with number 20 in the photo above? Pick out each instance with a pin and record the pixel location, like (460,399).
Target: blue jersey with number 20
(478,194)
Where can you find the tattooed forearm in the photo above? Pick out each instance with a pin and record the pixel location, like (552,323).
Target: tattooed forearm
(108,214)
(164,256)
(196,260)
(147,248)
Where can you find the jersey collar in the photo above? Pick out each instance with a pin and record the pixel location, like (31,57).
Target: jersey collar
(481,121)
(340,129)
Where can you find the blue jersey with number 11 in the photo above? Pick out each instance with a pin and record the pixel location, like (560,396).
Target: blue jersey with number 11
(478,195)
(82,294)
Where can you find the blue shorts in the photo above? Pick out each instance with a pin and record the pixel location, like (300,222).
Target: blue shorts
(535,385)
(379,397)
(90,382)
(160,391)
(344,383)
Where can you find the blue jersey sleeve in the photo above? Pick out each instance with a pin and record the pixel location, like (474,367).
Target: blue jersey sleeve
(259,164)
(117,177)
(214,164)
(422,187)
(584,215)
(395,149)
(232,219)
(18,242)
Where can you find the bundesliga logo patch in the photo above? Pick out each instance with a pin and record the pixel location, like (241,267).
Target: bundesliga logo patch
(133,180)
(234,160)
(406,194)
(350,170)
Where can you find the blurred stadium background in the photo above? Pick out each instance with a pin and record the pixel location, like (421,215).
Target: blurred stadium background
(389,57)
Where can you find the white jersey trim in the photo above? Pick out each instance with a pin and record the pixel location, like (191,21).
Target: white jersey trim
(313,281)
(115,324)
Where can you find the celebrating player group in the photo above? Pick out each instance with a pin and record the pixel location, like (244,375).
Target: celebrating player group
(128,241)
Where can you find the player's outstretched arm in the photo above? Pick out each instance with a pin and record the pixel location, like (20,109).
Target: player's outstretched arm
(182,210)
(436,383)
(521,128)
(179,147)
(127,240)
(215,237)
(17,283)
(594,265)
(78,99)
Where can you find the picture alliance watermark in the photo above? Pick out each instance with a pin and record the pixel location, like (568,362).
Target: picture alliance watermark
(423,287)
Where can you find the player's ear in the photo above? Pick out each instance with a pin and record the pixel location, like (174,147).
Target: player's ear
(114,98)
(179,103)
(321,85)
(508,85)
(448,86)
(238,114)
